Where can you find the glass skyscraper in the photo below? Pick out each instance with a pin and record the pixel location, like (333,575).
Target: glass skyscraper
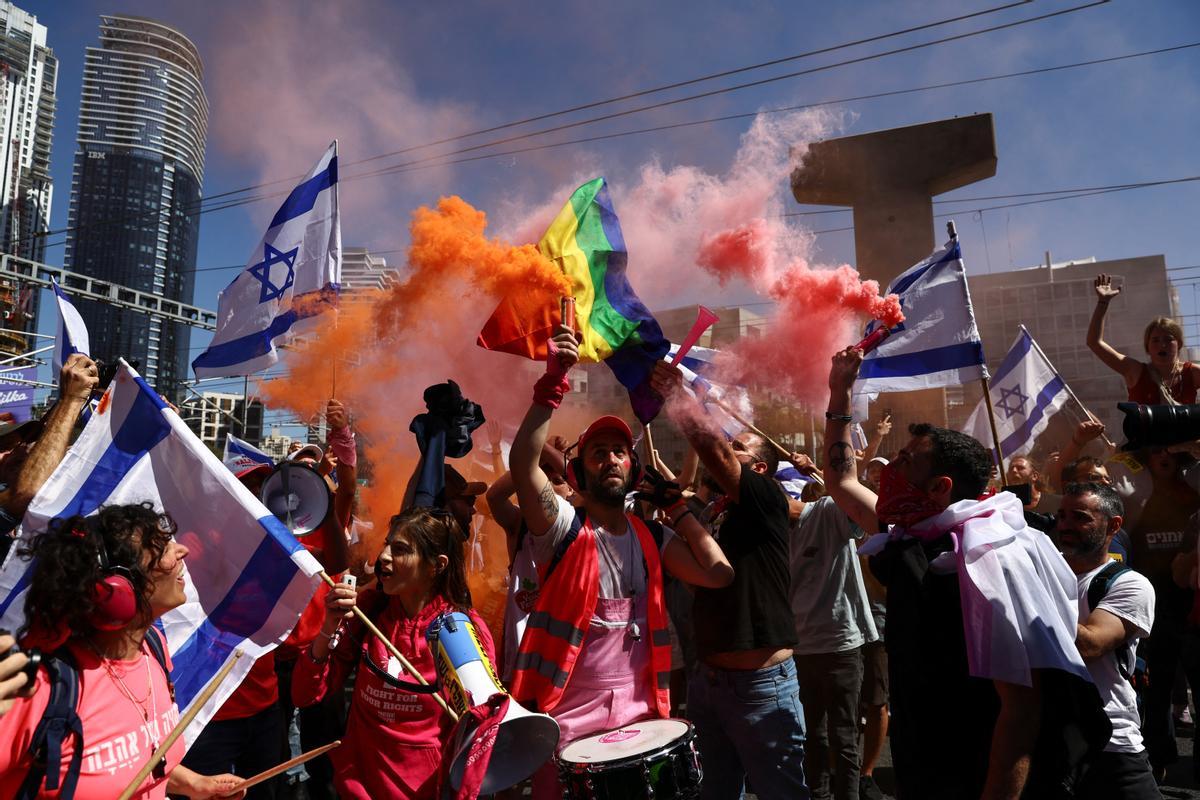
(135,191)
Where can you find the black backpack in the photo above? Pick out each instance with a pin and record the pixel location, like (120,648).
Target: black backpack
(61,719)
(1097,589)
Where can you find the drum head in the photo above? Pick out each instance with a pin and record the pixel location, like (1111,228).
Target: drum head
(635,739)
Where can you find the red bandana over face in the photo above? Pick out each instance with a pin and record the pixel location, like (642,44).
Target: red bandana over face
(900,502)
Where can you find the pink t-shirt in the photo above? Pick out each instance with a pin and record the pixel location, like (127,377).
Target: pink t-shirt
(117,738)
(392,747)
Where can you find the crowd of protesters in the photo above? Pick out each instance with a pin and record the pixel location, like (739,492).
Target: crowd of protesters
(1020,643)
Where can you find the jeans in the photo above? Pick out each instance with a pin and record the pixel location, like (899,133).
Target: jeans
(749,724)
(829,687)
(241,746)
(1169,647)
(1119,776)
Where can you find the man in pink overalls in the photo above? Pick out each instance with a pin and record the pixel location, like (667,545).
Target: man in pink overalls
(596,650)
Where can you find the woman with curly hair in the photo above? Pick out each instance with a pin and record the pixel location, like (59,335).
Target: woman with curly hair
(394,733)
(97,585)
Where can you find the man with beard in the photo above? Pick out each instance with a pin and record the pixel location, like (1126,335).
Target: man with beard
(990,698)
(596,651)
(1116,608)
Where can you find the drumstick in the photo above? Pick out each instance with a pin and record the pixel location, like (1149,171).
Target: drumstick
(391,648)
(160,752)
(266,775)
(782,450)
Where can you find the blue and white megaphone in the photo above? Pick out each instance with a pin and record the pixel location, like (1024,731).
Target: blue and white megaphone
(524,740)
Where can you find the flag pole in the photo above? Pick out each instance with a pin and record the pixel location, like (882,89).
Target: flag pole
(160,752)
(987,394)
(1071,394)
(391,648)
(336,311)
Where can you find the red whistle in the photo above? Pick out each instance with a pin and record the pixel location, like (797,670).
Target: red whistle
(873,339)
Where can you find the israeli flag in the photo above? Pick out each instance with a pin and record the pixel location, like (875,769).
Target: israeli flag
(791,479)
(293,275)
(241,455)
(698,362)
(72,335)
(938,343)
(247,577)
(1026,392)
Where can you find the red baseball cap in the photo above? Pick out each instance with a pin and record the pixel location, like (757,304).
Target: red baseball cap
(608,424)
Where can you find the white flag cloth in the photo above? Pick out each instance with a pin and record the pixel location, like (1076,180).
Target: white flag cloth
(791,479)
(72,335)
(938,343)
(247,577)
(1026,392)
(293,275)
(695,366)
(241,455)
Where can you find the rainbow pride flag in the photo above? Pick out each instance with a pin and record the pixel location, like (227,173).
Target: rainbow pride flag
(585,241)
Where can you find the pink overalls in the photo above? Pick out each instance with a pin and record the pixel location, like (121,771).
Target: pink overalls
(607,689)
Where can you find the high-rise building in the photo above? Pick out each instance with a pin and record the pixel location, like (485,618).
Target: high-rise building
(214,415)
(361,270)
(28,77)
(135,192)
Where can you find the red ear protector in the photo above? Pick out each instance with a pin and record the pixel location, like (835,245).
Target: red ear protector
(113,594)
(577,479)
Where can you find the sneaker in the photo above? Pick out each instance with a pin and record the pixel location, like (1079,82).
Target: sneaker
(868,789)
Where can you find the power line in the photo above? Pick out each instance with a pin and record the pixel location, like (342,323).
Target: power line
(741,86)
(594,104)
(969,210)
(745,115)
(628,112)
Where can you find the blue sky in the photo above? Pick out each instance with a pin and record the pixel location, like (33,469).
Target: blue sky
(285,77)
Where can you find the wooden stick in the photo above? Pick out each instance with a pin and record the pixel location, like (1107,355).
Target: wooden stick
(266,775)
(184,721)
(391,648)
(987,396)
(648,441)
(787,454)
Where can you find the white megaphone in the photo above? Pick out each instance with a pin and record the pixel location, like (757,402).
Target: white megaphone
(298,497)
(524,740)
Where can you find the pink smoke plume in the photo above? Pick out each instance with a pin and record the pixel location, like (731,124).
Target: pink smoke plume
(685,226)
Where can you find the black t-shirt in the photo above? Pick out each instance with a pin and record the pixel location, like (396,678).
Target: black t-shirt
(753,611)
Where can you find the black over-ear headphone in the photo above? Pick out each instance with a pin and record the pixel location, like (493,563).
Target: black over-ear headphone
(577,478)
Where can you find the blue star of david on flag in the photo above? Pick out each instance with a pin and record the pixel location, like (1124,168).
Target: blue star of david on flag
(262,271)
(1012,401)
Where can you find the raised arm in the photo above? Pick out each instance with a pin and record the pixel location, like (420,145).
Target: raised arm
(841,477)
(714,452)
(75,385)
(1129,368)
(535,495)
(693,555)
(882,429)
(1085,432)
(495,439)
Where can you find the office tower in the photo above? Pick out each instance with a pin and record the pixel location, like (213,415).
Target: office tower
(135,192)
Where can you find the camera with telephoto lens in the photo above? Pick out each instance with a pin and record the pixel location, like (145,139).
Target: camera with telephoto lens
(1159,426)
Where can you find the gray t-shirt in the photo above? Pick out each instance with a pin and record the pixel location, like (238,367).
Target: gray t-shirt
(828,597)
(622,571)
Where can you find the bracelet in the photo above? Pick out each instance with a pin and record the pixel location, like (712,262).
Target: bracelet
(1102,302)
(675,522)
(829,415)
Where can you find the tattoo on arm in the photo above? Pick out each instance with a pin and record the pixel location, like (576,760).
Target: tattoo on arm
(841,458)
(549,501)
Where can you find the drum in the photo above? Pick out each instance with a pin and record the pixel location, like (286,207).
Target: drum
(653,758)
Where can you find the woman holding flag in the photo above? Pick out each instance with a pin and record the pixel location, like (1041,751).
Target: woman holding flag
(394,732)
(98,584)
